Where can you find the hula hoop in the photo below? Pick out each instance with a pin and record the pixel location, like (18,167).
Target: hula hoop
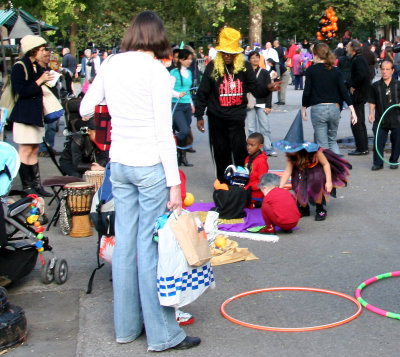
(370,307)
(291,329)
(376,136)
(173,111)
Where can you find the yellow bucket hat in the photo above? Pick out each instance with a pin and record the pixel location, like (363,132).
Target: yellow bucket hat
(229,41)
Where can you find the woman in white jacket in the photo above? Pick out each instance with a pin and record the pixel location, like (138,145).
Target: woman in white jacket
(144,175)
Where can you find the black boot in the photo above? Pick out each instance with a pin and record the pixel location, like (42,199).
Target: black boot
(304,211)
(37,185)
(320,213)
(26,179)
(182,158)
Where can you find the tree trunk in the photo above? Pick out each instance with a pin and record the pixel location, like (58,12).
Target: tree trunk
(74,31)
(184,24)
(255,26)
(72,41)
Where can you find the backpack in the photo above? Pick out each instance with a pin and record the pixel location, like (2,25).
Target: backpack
(230,204)
(8,98)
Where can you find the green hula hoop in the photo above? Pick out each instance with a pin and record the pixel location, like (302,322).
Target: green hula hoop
(376,136)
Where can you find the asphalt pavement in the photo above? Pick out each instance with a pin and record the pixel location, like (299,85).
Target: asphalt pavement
(358,240)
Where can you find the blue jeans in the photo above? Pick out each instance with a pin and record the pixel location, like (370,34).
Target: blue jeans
(325,121)
(257,121)
(140,196)
(49,136)
(298,81)
(182,119)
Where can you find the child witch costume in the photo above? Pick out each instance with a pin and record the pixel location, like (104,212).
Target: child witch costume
(308,179)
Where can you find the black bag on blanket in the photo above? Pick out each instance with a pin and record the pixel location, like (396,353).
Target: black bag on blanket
(230,204)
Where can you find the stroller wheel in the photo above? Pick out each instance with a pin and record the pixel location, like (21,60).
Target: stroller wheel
(47,273)
(61,271)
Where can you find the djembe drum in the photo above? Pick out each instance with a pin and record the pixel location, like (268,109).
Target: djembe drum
(95,178)
(79,199)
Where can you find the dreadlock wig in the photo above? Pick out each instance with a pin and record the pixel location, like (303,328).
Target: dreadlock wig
(219,65)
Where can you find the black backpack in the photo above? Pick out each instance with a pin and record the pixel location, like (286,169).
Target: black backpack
(230,204)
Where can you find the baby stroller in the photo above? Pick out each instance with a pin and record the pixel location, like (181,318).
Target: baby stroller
(21,242)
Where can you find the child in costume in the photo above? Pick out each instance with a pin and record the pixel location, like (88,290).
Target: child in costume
(257,164)
(316,172)
(279,206)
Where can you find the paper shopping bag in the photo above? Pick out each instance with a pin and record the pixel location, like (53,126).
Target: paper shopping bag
(192,238)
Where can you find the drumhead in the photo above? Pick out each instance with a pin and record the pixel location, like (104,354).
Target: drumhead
(94,173)
(81,185)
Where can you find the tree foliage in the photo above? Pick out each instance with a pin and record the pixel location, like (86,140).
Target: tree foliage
(104,21)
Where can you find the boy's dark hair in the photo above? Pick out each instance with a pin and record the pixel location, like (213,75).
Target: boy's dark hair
(175,50)
(257,136)
(146,32)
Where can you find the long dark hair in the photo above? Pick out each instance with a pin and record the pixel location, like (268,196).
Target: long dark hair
(302,159)
(323,51)
(146,32)
(183,54)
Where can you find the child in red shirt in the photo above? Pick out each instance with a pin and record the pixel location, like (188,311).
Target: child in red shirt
(279,207)
(257,164)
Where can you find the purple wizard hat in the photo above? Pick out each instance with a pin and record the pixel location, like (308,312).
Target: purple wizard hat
(294,139)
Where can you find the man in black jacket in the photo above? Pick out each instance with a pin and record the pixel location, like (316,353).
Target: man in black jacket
(359,86)
(281,52)
(69,67)
(385,93)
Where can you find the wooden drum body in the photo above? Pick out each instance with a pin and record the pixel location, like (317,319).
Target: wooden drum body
(79,199)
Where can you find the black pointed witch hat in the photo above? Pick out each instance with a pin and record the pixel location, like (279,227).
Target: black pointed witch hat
(294,139)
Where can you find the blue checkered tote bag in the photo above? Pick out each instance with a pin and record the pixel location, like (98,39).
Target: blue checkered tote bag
(178,283)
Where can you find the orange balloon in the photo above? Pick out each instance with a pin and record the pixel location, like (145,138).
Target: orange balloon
(319,34)
(329,34)
(334,35)
(335,28)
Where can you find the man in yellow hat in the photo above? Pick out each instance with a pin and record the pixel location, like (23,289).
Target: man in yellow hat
(226,81)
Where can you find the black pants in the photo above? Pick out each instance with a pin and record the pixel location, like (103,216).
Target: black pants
(227,143)
(382,138)
(68,82)
(69,168)
(359,129)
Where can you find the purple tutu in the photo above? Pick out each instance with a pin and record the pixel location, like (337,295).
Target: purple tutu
(309,184)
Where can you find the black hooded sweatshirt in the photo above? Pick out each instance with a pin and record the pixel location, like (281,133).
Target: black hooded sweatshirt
(222,99)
